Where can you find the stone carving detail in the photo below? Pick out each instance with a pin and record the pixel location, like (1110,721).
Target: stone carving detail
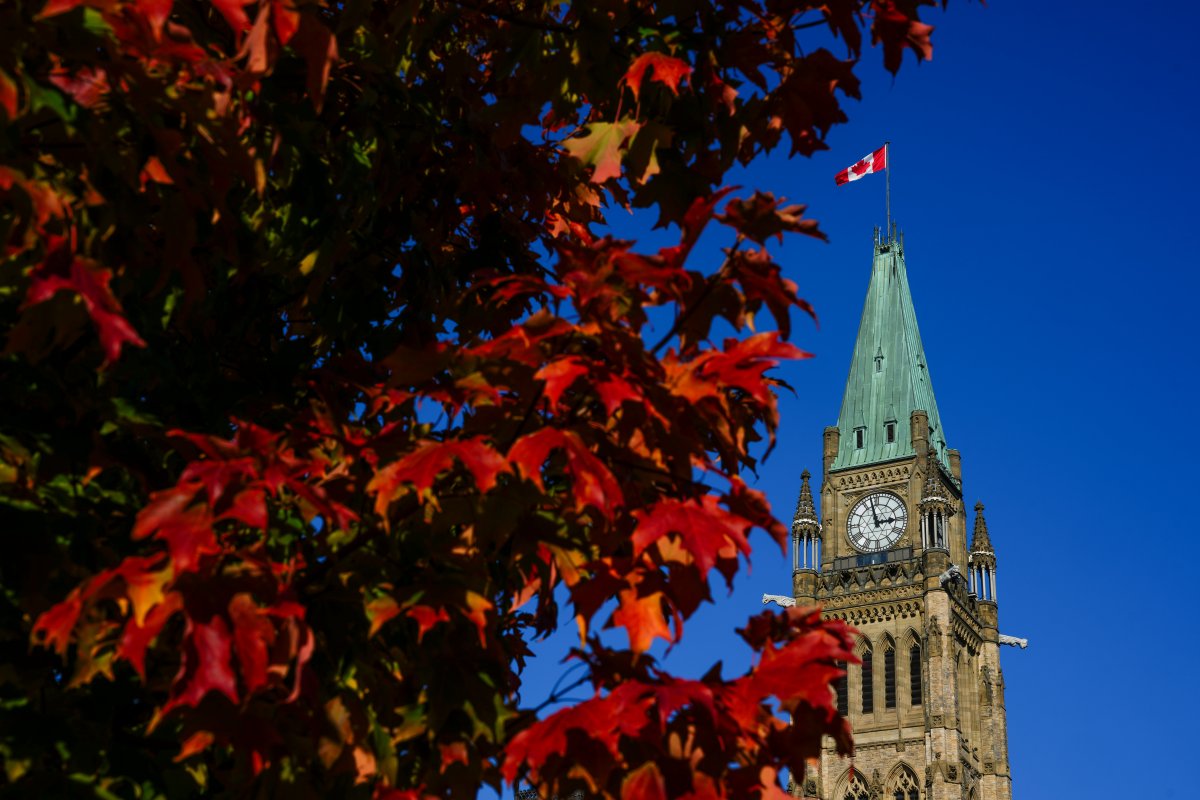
(1014,641)
(876,784)
(985,679)
(779,600)
(881,613)
(949,575)
(934,637)
(875,476)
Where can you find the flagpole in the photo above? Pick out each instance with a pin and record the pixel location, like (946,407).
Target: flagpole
(887,177)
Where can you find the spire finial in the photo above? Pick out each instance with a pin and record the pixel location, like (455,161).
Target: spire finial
(980,542)
(806,512)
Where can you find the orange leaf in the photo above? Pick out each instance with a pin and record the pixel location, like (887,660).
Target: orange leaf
(477,608)
(642,618)
(155,171)
(379,611)
(196,743)
(644,783)
(453,753)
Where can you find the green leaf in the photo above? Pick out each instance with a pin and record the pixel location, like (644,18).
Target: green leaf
(602,147)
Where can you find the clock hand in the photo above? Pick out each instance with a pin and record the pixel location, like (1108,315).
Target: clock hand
(873,514)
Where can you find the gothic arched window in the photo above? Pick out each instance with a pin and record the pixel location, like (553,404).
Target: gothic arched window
(914,673)
(856,789)
(889,677)
(868,680)
(903,785)
(842,691)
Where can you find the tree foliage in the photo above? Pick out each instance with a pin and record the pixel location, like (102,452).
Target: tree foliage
(321,389)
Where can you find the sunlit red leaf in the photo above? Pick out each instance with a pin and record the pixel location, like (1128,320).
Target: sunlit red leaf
(207,666)
(234,14)
(422,466)
(644,783)
(593,485)
(559,375)
(137,636)
(665,69)
(426,617)
(601,719)
(253,635)
(705,528)
(286,20)
(55,627)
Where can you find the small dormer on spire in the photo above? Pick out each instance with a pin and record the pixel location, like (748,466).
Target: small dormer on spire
(806,529)
(982,560)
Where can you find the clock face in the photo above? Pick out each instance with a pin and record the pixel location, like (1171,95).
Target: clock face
(877,521)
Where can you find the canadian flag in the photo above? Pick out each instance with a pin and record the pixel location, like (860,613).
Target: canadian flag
(876,162)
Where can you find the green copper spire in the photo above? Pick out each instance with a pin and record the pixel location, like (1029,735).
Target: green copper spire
(889,377)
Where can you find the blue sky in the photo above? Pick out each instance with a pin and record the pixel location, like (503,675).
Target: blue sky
(1046,178)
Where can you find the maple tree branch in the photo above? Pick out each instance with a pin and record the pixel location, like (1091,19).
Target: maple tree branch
(664,473)
(691,310)
(559,698)
(549,27)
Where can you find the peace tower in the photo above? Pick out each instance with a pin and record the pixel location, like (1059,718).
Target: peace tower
(890,556)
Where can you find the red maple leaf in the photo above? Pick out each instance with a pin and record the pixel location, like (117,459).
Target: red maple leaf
(665,69)
(705,529)
(594,485)
(421,467)
(91,282)
(644,783)
(641,615)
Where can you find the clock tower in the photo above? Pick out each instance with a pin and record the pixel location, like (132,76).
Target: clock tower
(890,555)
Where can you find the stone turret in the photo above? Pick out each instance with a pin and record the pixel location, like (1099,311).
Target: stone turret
(983,560)
(806,544)
(937,505)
